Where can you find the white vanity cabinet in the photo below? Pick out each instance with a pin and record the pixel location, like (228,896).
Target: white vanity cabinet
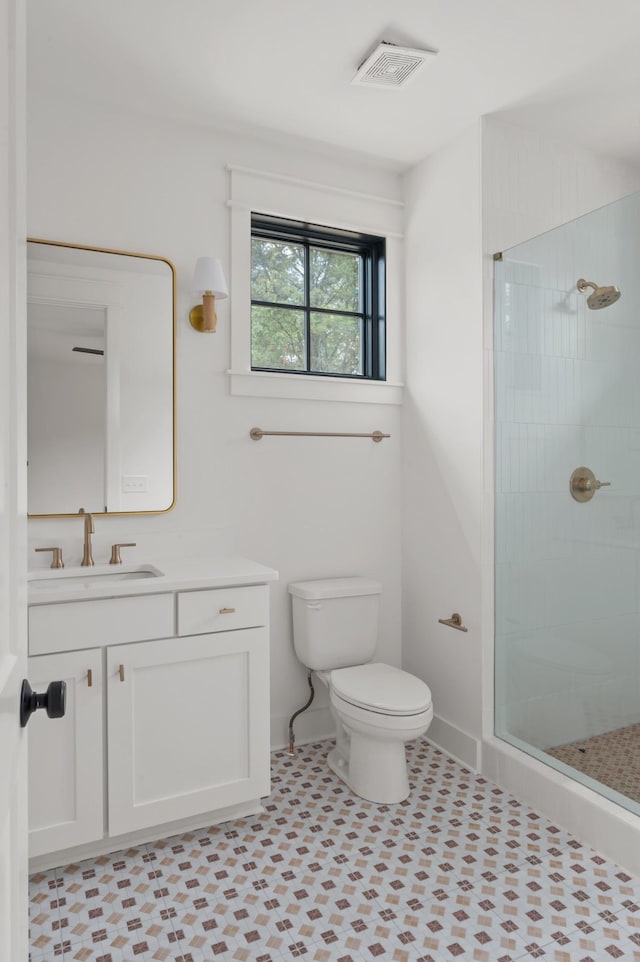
(187,726)
(167,721)
(66,761)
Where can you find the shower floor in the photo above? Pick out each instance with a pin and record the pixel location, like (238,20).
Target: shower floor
(612,758)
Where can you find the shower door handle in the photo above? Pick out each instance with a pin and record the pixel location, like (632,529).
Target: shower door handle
(584,484)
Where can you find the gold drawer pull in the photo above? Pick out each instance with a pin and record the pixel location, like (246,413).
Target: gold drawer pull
(89,678)
(227,611)
(121,672)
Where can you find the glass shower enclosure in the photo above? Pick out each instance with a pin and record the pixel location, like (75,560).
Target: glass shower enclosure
(567,502)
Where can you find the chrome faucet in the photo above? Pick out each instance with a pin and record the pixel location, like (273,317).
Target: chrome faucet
(87,558)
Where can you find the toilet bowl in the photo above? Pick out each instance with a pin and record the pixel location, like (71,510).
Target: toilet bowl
(377,708)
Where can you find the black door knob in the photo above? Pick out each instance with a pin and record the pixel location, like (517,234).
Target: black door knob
(53,700)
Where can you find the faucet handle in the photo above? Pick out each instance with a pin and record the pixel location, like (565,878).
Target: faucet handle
(115,551)
(56,561)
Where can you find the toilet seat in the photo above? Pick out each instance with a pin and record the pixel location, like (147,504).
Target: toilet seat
(382,689)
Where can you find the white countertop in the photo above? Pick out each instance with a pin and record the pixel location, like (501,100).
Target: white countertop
(176,575)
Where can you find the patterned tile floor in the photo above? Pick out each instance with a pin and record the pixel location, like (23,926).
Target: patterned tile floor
(459,871)
(611,758)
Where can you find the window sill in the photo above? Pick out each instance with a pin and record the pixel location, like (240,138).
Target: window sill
(307,387)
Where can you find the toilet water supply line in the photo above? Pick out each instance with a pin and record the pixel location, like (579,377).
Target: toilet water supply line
(299,712)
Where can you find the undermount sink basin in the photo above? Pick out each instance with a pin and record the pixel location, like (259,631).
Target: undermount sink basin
(90,578)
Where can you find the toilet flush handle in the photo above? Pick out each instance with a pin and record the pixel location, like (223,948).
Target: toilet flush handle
(314,605)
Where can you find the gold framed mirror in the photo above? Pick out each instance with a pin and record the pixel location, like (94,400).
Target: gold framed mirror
(101,381)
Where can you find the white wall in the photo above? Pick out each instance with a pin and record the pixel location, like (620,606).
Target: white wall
(531,183)
(307,507)
(442,465)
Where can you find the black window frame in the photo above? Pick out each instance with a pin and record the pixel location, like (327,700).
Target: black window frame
(372,250)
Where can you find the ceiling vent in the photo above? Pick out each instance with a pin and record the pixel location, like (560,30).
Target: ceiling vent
(391,66)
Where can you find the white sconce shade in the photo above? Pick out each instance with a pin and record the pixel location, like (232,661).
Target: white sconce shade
(209,282)
(208,277)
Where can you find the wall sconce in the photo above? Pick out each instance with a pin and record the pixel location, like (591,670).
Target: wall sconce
(209,282)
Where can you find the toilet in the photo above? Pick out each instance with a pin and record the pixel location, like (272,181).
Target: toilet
(377,708)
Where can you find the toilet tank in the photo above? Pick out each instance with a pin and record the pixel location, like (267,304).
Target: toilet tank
(335,621)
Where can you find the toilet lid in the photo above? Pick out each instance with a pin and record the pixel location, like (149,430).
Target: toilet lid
(381,688)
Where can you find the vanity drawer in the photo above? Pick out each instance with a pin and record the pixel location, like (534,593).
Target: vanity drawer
(222,609)
(93,624)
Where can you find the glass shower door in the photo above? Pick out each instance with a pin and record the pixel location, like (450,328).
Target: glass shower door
(567,502)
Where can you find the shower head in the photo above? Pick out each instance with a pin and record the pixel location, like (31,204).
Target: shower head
(601,297)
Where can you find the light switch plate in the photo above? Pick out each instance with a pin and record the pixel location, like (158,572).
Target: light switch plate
(134,483)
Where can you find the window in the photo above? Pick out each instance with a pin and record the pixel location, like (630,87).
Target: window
(317,300)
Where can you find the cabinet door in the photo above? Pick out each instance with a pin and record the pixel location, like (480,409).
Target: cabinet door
(188,726)
(65,755)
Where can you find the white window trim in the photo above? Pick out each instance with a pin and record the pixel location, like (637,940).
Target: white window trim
(264,193)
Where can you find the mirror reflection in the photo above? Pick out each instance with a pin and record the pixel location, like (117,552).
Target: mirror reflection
(100,328)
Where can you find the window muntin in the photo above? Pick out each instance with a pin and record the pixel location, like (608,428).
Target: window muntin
(317,300)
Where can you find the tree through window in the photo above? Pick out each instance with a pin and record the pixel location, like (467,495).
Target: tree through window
(317,300)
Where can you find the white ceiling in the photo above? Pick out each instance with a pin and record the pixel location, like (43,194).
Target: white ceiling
(283,67)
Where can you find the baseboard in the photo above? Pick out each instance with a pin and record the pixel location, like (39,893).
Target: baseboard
(453,741)
(103,846)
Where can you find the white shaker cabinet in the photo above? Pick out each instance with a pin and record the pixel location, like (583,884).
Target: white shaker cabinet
(167,721)
(66,755)
(187,728)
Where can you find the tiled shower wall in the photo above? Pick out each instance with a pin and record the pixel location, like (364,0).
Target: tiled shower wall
(567,393)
